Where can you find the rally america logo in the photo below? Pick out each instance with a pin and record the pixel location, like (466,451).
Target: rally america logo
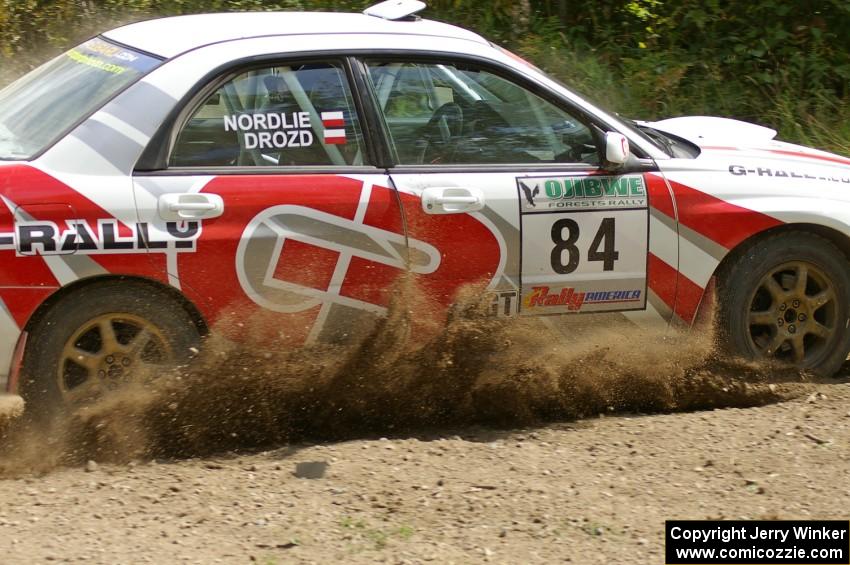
(574,301)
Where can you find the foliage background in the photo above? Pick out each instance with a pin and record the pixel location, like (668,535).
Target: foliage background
(781,63)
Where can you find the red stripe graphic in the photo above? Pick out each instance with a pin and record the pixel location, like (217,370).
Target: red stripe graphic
(659,195)
(662,280)
(22,302)
(798,154)
(688,297)
(677,291)
(716,219)
(333,123)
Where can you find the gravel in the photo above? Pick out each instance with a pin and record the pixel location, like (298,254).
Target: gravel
(593,491)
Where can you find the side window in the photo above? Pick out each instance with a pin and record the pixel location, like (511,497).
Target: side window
(286,116)
(452,114)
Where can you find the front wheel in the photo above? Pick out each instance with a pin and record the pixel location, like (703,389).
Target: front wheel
(99,337)
(786,298)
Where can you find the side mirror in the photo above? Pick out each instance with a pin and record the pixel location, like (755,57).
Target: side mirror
(616,148)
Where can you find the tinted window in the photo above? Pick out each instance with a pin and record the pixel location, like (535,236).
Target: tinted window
(448,114)
(38,108)
(298,115)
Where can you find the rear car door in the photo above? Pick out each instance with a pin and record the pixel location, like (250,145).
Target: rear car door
(506,183)
(278,215)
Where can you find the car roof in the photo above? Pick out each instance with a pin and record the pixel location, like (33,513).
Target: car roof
(169,37)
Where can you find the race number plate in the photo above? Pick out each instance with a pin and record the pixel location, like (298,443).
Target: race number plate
(584,244)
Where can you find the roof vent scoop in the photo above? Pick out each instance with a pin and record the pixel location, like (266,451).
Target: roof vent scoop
(396,10)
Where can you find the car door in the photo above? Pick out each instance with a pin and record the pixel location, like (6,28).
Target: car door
(506,183)
(270,216)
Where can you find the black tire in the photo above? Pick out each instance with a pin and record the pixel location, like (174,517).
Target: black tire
(127,309)
(769,300)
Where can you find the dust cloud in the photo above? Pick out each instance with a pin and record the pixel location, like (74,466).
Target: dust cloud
(411,373)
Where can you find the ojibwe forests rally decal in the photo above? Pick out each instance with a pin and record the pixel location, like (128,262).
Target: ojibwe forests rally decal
(584,244)
(321,251)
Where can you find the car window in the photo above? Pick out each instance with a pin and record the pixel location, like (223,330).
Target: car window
(39,107)
(458,114)
(285,115)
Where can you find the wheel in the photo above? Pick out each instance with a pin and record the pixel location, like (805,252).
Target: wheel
(97,338)
(787,299)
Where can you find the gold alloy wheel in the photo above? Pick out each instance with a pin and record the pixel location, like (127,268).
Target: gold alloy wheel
(105,352)
(793,313)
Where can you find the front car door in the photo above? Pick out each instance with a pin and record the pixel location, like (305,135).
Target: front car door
(506,182)
(275,207)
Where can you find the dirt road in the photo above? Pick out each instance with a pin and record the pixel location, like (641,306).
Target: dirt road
(593,491)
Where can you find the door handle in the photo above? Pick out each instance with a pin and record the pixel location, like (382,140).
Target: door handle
(456,200)
(190,206)
(199,207)
(452,200)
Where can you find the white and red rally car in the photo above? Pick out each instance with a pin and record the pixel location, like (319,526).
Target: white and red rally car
(170,173)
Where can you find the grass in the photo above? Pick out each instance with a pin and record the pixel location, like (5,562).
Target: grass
(827,126)
(377,538)
(665,84)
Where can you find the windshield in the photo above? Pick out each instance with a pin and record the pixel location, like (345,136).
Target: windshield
(39,107)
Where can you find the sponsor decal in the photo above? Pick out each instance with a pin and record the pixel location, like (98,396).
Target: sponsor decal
(334,124)
(574,301)
(285,130)
(47,238)
(272,130)
(109,58)
(78,57)
(585,192)
(742,171)
(289,243)
(503,304)
(530,193)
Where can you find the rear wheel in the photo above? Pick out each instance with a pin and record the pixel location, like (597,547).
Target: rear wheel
(787,299)
(100,337)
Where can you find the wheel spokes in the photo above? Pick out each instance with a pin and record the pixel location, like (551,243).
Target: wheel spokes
(774,344)
(108,338)
(819,330)
(106,352)
(777,293)
(802,280)
(137,345)
(86,359)
(792,313)
(798,348)
(764,318)
(91,387)
(821,299)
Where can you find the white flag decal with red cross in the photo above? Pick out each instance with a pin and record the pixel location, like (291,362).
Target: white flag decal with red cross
(334,123)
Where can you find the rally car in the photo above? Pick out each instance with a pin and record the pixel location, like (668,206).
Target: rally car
(173,174)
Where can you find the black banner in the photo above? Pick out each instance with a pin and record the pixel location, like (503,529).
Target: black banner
(743,542)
